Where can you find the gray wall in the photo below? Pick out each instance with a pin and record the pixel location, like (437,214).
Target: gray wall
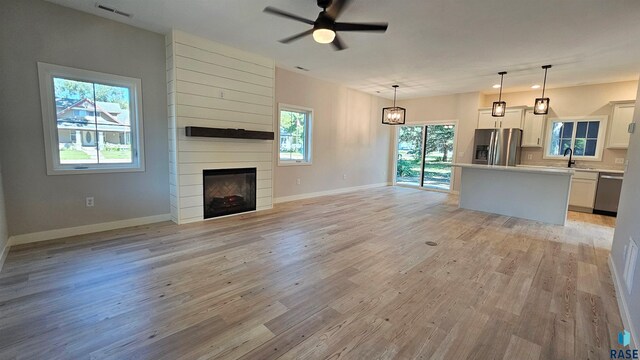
(628,224)
(32,31)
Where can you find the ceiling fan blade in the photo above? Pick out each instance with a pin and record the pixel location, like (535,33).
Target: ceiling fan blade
(338,44)
(278,12)
(337,7)
(297,36)
(361,27)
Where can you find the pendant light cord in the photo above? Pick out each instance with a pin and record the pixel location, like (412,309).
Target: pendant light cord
(544,84)
(395,90)
(501,78)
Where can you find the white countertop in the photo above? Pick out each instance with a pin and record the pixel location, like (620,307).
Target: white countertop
(594,170)
(529,169)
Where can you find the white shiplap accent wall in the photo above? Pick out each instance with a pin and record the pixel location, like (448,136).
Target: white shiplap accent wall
(213,85)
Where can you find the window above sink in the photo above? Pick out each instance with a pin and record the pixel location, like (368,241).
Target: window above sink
(584,135)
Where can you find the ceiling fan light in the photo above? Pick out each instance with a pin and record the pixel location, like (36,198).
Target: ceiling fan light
(324,36)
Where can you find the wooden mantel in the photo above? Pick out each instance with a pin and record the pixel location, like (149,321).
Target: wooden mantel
(228,133)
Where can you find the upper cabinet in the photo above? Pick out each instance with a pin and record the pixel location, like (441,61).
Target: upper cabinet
(512,119)
(486,121)
(621,117)
(532,129)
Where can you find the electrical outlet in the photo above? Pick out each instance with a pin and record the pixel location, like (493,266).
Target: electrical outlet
(89,201)
(530,157)
(344,176)
(619,160)
(298,181)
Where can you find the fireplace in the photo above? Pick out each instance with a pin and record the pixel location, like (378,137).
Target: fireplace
(229,191)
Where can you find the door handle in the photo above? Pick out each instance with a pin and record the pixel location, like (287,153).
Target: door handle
(611,177)
(538,141)
(491,149)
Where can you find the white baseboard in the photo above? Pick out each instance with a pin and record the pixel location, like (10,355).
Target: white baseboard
(85,229)
(621,295)
(3,254)
(327,192)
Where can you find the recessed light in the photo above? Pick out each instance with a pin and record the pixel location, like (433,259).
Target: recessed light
(496,86)
(536,86)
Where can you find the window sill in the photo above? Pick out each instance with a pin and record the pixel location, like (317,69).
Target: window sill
(94,171)
(293,163)
(577,158)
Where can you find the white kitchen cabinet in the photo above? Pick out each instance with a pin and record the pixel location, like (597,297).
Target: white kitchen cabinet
(512,119)
(532,129)
(621,117)
(486,121)
(583,191)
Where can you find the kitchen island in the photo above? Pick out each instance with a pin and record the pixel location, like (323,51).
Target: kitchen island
(534,193)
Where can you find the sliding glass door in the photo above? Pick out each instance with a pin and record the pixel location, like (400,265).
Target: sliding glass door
(409,162)
(425,155)
(438,156)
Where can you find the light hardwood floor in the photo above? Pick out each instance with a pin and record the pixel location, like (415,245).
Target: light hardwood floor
(340,277)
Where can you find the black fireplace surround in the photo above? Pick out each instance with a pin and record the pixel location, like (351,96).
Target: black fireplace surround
(228,191)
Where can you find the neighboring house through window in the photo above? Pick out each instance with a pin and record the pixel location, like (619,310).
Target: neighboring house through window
(92,121)
(294,126)
(584,135)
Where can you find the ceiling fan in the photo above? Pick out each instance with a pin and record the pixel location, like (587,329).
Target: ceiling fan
(325,26)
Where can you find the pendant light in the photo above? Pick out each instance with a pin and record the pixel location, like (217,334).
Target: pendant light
(499,107)
(393,115)
(541,106)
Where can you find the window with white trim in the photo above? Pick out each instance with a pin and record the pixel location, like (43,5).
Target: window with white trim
(92,121)
(294,129)
(584,135)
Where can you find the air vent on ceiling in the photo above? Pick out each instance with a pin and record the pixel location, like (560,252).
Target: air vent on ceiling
(113,10)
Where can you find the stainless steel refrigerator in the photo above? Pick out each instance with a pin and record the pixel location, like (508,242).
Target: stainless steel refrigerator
(497,147)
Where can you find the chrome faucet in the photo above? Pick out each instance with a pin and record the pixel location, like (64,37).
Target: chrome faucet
(570,151)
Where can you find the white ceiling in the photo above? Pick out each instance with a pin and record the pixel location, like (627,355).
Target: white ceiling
(432,47)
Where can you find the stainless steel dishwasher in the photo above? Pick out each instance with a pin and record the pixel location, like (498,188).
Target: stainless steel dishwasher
(608,193)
